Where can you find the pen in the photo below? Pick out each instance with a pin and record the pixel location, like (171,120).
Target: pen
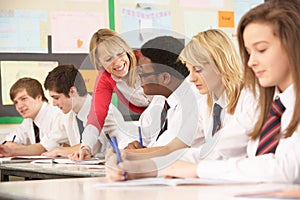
(114,143)
(13,138)
(140,136)
(4,142)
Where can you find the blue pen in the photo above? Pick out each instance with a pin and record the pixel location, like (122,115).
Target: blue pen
(110,141)
(141,137)
(117,151)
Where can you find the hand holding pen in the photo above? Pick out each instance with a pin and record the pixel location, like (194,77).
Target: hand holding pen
(11,141)
(114,143)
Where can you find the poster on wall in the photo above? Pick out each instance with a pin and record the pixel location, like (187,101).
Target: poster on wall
(23,31)
(72,31)
(140,25)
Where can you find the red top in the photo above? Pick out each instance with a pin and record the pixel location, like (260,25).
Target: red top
(104,88)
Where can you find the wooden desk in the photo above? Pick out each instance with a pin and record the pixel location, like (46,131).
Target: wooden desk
(85,188)
(47,171)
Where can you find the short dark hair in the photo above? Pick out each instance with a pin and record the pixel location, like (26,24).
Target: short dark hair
(163,51)
(32,86)
(63,77)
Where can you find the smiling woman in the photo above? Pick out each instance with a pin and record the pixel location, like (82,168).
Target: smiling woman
(116,63)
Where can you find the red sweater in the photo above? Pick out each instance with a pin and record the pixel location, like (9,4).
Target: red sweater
(104,88)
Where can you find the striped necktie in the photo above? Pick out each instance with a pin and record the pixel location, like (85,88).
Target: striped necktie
(36,132)
(80,127)
(268,140)
(163,119)
(217,109)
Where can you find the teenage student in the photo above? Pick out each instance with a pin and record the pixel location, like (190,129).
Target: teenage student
(116,63)
(35,134)
(227,109)
(268,36)
(66,86)
(172,109)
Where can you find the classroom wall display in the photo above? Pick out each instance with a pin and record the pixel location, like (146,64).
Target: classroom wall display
(11,71)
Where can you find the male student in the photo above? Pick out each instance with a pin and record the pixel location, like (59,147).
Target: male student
(34,135)
(171,119)
(68,90)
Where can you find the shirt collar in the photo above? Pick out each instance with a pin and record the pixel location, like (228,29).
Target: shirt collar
(180,92)
(84,110)
(40,116)
(287,97)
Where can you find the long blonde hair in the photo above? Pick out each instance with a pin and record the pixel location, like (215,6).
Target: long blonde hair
(215,47)
(284,18)
(110,41)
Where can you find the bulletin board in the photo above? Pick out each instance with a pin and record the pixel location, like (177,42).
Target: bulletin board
(43,30)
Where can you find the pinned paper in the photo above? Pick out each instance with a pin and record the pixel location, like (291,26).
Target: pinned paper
(89,77)
(226,19)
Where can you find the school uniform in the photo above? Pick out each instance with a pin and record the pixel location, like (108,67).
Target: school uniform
(182,117)
(283,166)
(69,124)
(46,120)
(230,141)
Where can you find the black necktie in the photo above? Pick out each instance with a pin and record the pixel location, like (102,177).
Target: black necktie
(163,119)
(268,140)
(80,127)
(216,118)
(36,133)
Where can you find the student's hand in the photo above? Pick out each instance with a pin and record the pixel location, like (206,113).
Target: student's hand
(134,145)
(84,153)
(5,150)
(180,169)
(58,152)
(112,170)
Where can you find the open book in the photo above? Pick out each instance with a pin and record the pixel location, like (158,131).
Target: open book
(21,159)
(93,161)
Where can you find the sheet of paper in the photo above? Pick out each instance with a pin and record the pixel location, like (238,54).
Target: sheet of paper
(168,182)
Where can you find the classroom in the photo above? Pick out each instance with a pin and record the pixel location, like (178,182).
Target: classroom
(111,99)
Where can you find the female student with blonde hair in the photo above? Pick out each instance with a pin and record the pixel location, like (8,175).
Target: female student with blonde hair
(269,37)
(226,109)
(116,62)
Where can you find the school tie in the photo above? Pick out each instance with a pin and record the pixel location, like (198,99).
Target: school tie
(268,140)
(80,127)
(163,119)
(36,132)
(216,118)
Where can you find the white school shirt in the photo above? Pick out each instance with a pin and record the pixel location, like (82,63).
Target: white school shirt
(283,166)
(114,125)
(47,119)
(69,124)
(182,118)
(231,140)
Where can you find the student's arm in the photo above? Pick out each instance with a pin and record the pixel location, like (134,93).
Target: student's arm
(134,169)
(144,153)
(62,151)
(13,149)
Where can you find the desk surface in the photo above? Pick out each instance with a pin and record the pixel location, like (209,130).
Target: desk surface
(85,188)
(48,171)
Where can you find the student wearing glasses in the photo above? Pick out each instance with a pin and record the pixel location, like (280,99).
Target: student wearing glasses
(172,109)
